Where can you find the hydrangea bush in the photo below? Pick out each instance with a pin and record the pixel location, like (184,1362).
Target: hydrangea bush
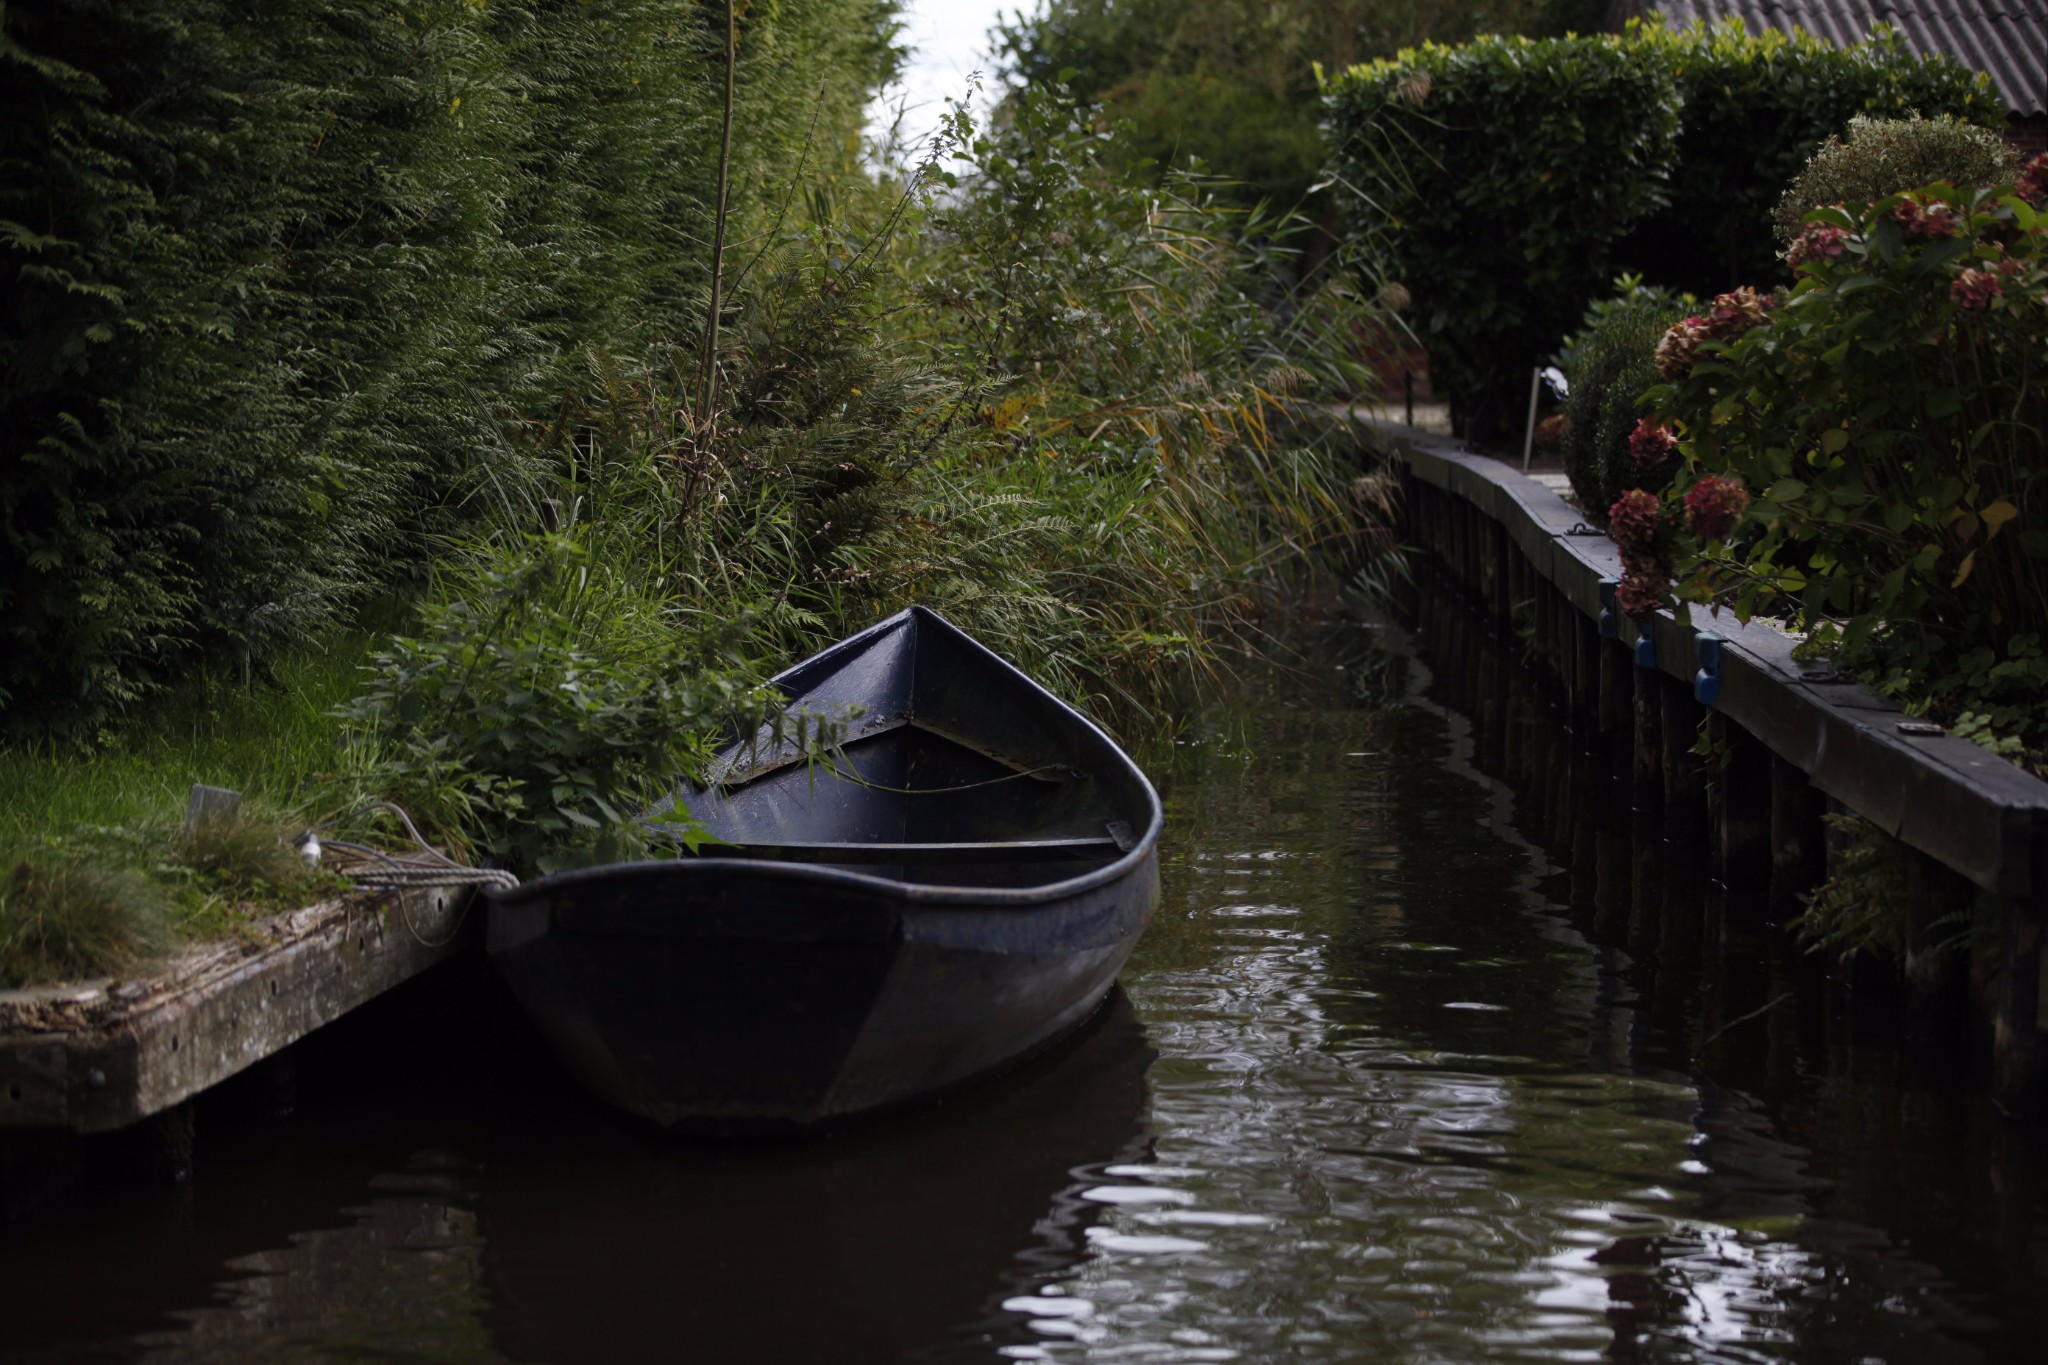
(1864,454)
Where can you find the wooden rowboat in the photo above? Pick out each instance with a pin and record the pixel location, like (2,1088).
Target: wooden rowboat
(955,888)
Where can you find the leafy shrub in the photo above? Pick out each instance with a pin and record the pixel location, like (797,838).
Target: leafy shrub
(1135,380)
(1866,905)
(1610,362)
(1885,156)
(1505,181)
(544,703)
(1887,420)
(1050,405)
(1231,84)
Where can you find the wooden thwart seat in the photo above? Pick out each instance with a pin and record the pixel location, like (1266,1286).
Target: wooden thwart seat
(976,851)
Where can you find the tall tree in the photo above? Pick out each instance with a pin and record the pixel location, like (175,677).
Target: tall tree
(1233,83)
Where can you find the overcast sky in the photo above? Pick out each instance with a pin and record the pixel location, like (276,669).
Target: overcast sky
(949,39)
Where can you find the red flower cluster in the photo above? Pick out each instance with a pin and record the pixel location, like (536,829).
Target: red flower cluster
(1635,521)
(1817,242)
(2033,182)
(1932,219)
(1651,443)
(1974,290)
(1714,505)
(1732,315)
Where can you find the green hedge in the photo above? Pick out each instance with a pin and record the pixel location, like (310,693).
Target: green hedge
(288,282)
(1756,108)
(1506,180)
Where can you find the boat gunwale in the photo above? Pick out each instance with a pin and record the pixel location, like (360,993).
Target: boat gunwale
(1021,897)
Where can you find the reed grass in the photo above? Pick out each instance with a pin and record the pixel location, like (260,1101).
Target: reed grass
(1096,440)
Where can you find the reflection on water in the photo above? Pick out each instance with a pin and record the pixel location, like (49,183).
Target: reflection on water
(1426,1058)
(452,1196)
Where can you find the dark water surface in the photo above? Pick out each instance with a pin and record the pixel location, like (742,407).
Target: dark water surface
(1398,1074)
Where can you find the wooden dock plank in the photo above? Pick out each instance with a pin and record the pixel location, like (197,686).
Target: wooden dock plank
(97,1056)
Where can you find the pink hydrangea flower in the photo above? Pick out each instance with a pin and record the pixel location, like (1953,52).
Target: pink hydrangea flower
(1679,347)
(1817,242)
(1714,505)
(1632,521)
(1974,290)
(1736,312)
(1651,443)
(1640,593)
(1932,219)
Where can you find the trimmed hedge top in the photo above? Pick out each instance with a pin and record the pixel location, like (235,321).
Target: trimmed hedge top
(1506,181)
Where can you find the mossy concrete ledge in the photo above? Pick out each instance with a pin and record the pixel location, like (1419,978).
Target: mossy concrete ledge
(95,1056)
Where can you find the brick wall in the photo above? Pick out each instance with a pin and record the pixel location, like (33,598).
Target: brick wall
(2029,134)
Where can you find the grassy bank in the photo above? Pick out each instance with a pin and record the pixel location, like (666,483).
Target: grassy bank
(98,874)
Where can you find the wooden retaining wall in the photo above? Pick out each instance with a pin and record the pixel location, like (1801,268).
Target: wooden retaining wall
(1793,738)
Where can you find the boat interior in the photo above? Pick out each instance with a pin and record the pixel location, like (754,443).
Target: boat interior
(905,802)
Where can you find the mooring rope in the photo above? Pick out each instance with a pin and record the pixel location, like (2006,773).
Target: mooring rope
(853,777)
(382,872)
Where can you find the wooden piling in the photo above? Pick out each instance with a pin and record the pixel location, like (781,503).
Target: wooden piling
(2019,1020)
(1647,769)
(1798,844)
(1685,775)
(1742,808)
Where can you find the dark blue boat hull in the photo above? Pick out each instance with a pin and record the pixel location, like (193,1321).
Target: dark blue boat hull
(745,996)
(956,889)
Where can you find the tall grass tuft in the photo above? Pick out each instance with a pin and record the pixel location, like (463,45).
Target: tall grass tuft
(72,917)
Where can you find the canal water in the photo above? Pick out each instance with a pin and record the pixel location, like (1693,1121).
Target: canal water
(1434,1053)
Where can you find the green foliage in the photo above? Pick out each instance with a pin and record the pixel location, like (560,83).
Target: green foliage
(1885,156)
(273,738)
(1134,380)
(1228,86)
(1864,906)
(1609,363)
(1888,417)
(1022,384)
(290,285)
(1658,151)
(111,878)
(544,702)
(1756,108)
(1867,903)
(1557,146)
